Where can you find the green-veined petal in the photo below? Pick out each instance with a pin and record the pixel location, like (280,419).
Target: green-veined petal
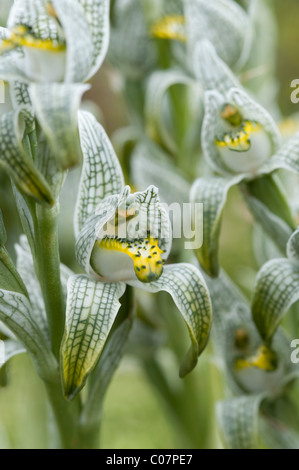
(212,193)
(15,312)
(11,348)
(275,292)
(210,70)
(56,106)
(91,310)
(15,160)
(238,420)
(97,16)
(101,173)
(274,226)
(188,289)
(286,157)
(223,22)
(78,35)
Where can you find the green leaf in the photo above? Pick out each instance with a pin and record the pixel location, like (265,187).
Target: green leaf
(3,234)
(15,312)
(277,435)
(223,22)
(26,269)
(9,276)
(49,166)
(158,85)
(275,292)
(18,164)
(91,310)
(103,373)
(273,225)
(188,289)
(238,421)
(56,106)
(101,173)
(25,217)
(97,16)
(264,247)
(212,193)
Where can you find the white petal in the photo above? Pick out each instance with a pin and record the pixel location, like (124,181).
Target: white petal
(113,266)
(248,161)
(44,66)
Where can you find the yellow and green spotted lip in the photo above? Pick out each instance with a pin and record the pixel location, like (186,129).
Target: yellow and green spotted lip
(145,253)
(264,359)
(170,27)
(22,36)
(239,140)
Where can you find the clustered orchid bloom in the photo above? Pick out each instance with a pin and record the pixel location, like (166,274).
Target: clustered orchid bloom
(122,238)
(46,52)
(259,375)
(241,144)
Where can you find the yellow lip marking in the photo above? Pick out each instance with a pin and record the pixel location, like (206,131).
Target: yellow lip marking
(145,253)
(170,27)
(21,36)
(239,139)
(264,359)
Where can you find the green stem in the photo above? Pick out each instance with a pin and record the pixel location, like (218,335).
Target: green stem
(188,404)
(269,191)
(179,111)
(66,414)
(48,267)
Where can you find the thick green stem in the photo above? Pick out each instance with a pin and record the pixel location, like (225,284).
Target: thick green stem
(66,415)
(48,267)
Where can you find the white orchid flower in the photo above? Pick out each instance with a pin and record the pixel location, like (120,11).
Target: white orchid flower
(242,145)
(122,238)
(53,47)
(258,371)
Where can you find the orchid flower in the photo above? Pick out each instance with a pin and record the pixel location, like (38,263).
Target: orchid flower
(52,47)
(258,374)
(241,144)
(16,125)
(122,239)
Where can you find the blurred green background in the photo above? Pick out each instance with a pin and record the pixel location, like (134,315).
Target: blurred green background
(133,415)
